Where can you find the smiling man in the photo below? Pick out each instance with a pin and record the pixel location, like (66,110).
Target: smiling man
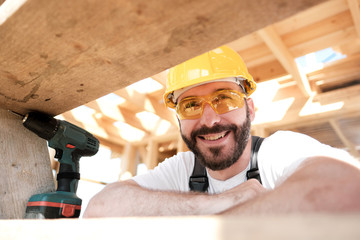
(228,171)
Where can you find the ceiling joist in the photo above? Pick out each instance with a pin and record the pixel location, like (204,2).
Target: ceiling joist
(354,7)
(281,52)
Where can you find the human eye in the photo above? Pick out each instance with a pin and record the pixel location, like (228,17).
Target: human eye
(191,104)
(220,97)
(223,96)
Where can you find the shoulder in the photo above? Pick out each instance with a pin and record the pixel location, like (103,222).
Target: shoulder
(281,153)
(287,142)
(298,145)
(283,137)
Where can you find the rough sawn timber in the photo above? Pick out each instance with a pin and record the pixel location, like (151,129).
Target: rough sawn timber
(57,55)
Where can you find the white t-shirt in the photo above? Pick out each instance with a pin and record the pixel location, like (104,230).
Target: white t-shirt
(278,157)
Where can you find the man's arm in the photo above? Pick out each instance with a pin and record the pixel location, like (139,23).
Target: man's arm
(127,198)
(321,184)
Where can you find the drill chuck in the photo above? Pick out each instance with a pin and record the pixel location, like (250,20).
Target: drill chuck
(41,124)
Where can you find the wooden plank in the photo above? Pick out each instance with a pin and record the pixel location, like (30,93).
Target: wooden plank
(128,162)
(181,146)
(245,42)
(58,55)
(285,107)
(350,47)
(277,46)
(279,227)
(257,55)
(311,16)
(342,94)
(332,39)
(161,77)
(25,166)
(147,103)
(349,145)
(334,23)
(338,72)
(267,71)
(354,7)
(151,160)
(114,113)
(110,134)
(260,54)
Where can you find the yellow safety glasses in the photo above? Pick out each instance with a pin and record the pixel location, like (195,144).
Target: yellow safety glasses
(222,101)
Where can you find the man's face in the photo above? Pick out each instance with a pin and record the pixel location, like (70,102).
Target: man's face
(217,140)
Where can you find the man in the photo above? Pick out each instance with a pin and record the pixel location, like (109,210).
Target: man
(210,94)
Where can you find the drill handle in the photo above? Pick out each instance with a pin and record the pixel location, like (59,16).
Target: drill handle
(68,175)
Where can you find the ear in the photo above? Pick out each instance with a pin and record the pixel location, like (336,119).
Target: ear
(251,108)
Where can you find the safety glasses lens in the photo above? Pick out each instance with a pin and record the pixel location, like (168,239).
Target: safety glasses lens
(221,101)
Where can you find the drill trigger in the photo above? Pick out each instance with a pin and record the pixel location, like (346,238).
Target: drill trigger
(58,153)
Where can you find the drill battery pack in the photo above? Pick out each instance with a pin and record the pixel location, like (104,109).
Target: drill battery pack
(53,205)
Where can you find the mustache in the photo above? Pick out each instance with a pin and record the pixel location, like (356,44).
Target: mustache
(215,129)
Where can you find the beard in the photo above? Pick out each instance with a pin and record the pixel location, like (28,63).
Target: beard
(216,158)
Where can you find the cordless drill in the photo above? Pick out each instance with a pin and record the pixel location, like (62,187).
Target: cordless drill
(70,143)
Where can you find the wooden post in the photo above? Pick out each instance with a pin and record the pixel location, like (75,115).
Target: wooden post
(25,166)
(152,154)
(181,146)
(128,162)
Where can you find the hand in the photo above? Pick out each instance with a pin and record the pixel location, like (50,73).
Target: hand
(244,192)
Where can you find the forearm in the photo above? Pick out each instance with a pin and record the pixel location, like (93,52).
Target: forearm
(320,185)
(129,199)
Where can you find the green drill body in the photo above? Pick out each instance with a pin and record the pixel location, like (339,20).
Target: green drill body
(70,143)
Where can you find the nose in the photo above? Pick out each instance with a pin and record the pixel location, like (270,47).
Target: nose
(209,117)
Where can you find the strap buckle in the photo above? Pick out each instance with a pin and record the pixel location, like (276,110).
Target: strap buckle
(199,183)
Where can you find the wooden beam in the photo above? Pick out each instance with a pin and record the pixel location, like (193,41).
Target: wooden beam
(277,46)
(170,136)
(25,166)
(151,160)
(348,144)
(315,30)
(128,162)
(338,95)
(131,119)
(109,135)
(257,55)
(267,71)
(311,16)
(267,226)
(331,39)
(87,49)
(181,146)
(161,77)
(146,103)
(261,54)
(115,113)
(354,7)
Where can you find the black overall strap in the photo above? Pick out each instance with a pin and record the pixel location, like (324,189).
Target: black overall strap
(199,182)
(254,170)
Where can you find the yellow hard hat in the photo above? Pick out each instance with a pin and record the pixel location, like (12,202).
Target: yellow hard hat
(217,64)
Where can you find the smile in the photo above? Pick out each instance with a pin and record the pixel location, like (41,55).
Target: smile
(213,137)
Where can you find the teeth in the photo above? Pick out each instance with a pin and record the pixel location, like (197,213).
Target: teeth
(214,137)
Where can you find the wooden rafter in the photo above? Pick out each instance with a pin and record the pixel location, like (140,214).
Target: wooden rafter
(115,113)
(354,7)
(349,145)
(277,46)
(145,103)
